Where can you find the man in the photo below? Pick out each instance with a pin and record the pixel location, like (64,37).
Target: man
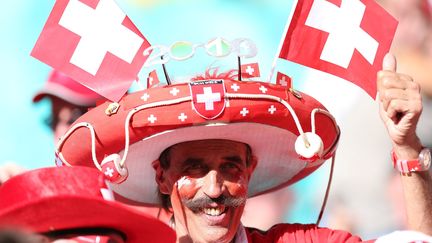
(216,141)
(73,204)
(69,100)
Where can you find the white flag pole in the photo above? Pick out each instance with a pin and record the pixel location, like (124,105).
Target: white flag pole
(282,40)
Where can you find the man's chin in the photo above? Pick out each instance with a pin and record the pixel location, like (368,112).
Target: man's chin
(215,228)
(215,234)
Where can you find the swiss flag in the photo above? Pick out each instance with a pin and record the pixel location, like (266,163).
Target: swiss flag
(208,98)
(283,79)
(93,42)
(250,70)
(152,79)
(346,38)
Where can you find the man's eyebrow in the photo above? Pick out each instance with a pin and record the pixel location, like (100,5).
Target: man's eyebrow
(190,161)
(235,158)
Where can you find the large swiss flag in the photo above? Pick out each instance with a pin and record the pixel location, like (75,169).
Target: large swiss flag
(346,38)
(93,42)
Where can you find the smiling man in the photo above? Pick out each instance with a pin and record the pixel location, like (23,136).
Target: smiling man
(208,183)
(205,146)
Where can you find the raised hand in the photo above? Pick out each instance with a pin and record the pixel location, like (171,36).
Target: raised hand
(400,105)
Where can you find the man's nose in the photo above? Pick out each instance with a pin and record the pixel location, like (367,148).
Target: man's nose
(213,184)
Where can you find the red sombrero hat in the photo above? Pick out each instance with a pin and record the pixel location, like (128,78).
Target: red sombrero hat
(291,133)
(65,198)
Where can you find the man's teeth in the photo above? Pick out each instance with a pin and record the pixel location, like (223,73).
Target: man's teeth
(214,211)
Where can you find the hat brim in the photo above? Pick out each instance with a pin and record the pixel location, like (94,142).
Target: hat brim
(268,143)
(60,213)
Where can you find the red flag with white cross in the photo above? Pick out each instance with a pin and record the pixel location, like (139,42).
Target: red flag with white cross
(152,79)
(208,98)
(283,79)
(93,42)
(346,38)
(250,70)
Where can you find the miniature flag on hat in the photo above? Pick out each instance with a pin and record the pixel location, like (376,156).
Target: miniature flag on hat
(93,42)
(152,79)
(250,70)
(342,38)
(283,79)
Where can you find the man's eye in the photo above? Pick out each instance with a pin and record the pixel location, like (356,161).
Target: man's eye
(194,168)
(231,167)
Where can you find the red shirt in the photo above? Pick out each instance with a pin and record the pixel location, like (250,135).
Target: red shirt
(295,233)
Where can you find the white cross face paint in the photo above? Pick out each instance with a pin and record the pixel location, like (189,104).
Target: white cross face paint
(242,182)
(183,181)
(188,187)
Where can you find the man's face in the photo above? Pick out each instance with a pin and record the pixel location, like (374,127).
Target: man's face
(63,115)
(207,181)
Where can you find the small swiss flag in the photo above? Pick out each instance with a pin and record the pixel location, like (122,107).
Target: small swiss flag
(283,79)
(346,38)
(93,42)
(250,70)
(152,79)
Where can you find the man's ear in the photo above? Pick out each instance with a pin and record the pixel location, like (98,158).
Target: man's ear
(159,177)
(252,165)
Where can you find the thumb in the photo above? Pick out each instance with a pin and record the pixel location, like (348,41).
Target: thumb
(389,62)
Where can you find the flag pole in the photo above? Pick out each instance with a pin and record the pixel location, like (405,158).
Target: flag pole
(282,40)
(138,82)
(239,68)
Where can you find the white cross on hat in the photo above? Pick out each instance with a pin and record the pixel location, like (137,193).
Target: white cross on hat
(182,117)
(208,97)
(109,172)
(152,118)
(244,111)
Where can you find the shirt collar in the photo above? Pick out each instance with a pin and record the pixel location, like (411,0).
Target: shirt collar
(241,236)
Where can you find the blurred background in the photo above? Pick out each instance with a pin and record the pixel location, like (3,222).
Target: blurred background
(365,196)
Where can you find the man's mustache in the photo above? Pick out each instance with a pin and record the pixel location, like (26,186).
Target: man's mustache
(198,204)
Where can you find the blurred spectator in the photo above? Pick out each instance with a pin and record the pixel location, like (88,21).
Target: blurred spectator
(69,100)
(413,47)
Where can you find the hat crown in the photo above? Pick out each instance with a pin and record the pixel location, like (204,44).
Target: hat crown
(61,79)
(53,182)
(66,88)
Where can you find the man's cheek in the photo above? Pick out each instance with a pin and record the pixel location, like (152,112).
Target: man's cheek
(188,187)
(238,188)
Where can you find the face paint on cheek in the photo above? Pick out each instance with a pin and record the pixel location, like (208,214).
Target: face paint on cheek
(188,187)
(238,188)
